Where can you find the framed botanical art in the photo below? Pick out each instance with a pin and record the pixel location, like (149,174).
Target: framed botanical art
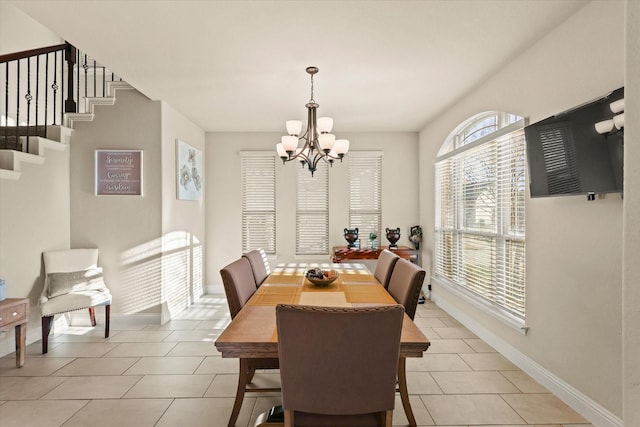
(118,172)
(189,171)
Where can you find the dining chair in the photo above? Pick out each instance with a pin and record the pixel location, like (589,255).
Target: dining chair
(338,379)
(73,281)
(384,266)
(239,285)
(259,264)
(405,286)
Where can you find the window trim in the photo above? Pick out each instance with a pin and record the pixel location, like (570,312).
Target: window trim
(449,149)
(263,154)
(378,155)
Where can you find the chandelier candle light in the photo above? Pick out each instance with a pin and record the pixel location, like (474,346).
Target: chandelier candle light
(317,142)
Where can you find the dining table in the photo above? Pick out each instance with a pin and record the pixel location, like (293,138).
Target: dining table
(253,332)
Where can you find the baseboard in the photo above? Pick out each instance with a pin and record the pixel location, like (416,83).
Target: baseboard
(585,406)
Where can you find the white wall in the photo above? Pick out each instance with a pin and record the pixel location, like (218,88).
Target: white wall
(399,198)
(18,31)
(574,247)
(631,221)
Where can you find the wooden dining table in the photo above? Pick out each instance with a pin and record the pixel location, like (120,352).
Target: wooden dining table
(253,333)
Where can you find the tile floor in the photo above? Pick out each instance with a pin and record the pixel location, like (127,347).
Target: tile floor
(172,375)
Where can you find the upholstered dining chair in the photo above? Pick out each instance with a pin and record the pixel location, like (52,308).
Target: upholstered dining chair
(73,281)
(384,266)
(259,264)
(239,285)
(405,285)
(338,379)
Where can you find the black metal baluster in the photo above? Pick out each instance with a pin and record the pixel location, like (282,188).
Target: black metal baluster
(37,90)
(54,86)
(18,102)
(28,97)
(6,104)
(78,83)
(46,92)
(85,67)
(95,85)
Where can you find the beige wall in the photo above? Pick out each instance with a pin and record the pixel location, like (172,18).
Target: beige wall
(150,245)
(631,221)
(183,221)
(34,217)
(574,247)
(399,198)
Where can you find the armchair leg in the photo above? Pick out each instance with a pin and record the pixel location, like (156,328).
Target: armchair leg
(47,323)
(107,319)
(92,316)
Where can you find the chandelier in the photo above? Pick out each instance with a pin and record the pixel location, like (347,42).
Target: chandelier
(317,143)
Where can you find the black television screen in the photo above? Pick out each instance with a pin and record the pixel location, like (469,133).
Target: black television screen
(567,156)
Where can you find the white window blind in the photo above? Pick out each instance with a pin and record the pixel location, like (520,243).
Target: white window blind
(312,211)
(365,193)
(258,202)
(480,219)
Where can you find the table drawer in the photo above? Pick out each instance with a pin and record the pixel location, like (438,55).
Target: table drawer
(15,313)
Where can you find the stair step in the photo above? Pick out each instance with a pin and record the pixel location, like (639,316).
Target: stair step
(12,160)
(10,175)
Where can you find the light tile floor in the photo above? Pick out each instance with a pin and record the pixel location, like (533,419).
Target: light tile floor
(172,375)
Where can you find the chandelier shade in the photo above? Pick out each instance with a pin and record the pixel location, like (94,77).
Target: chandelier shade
(317,143)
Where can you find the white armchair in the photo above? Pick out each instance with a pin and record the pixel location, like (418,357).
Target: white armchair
(73,281)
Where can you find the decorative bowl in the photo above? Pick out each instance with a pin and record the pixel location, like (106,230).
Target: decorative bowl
(328,277)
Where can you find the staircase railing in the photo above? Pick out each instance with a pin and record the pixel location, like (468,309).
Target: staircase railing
(41,86)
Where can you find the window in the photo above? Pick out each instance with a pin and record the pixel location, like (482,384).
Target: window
(312,211)
(365,192)
(480,212)
(258,201)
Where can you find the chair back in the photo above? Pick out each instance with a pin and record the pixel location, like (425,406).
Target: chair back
(259,264)
(338,361)
(405,285)
(239,284)
(68,260)
(384,267)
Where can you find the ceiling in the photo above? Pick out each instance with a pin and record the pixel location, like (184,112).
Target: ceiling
(240,65)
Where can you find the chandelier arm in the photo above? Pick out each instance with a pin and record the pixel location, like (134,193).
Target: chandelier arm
(311,153)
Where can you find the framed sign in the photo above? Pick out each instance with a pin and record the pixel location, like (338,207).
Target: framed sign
(189,171)
(119,172)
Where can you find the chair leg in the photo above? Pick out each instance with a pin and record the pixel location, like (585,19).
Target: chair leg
(107,319)
(404,391)
(47,323)
(242,384)
(387,418)
(92,316)
(288,418)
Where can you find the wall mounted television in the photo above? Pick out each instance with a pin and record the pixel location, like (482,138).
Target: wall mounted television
(567,156)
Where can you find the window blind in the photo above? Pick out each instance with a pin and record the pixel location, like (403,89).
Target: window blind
(480,221)
(258,202)
(312,211)
(365,193)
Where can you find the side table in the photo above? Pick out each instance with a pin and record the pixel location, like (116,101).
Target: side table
(15,312)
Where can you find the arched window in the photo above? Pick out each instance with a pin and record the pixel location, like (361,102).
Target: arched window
(480,212)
